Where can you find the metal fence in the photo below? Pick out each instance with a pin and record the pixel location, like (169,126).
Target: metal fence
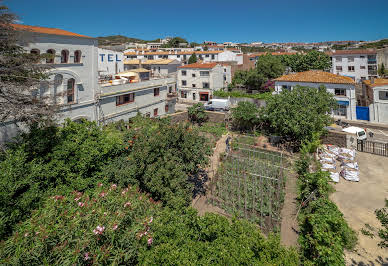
(378,148)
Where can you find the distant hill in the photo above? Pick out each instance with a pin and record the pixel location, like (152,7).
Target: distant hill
(379,44)
(119,39)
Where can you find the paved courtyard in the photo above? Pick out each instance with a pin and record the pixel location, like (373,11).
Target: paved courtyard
(358,201)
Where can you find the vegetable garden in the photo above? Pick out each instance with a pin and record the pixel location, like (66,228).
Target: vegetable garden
(250,184)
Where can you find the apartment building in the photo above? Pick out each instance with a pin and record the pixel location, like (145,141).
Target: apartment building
(343,89)
(196,82)
(357,64)
(376,91)
(158,67)
(75,86)
(183,56)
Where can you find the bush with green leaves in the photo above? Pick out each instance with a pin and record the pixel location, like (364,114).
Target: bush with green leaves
(181,237)
(299,113)
(161,159)
(245,116)
(313,60)
(104,225)
(197,113)
(51,158)
(382,216)
(324,232)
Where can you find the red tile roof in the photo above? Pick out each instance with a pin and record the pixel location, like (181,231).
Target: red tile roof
(52,31)
(358,51)
(200,65)
(376,82)
(316,76)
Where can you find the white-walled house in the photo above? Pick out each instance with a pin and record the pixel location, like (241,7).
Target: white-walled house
(377,99)
(357,64)
(110,62)
(72,70)
(158,67)
(343,89)
(196,82)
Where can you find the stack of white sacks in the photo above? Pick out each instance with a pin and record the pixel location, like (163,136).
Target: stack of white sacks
(328,157)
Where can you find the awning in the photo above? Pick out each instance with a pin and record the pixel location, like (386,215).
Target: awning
(343,102)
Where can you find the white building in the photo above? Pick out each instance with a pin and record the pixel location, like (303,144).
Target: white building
(343,89)
(183,56)
(357,64)
(196,82)
(158,67)
(73,82)
(377,99)
(110,62)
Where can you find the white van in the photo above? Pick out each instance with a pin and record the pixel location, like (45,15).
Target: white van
(359,132)
(217,105)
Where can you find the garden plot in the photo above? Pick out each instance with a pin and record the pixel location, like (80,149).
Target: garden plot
(250,184)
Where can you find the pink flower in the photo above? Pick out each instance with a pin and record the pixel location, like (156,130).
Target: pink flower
(114,186)
(100,184)
(81,204)
(149,241)
(127,204)
(124,191)
(37,233)
(151,219)
(102,194)
(99,230)
(86,256)
(77,199)
(105,213)
(26,234)
(114,227)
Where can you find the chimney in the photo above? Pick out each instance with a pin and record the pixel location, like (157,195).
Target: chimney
(372,80)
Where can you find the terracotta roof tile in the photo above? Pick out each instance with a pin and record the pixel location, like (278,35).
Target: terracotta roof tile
(52,31)
(174,53)
(316,76)
(377,82)
(358,51)
(200,65)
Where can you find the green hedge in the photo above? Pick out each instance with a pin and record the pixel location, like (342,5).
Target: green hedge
(324,232)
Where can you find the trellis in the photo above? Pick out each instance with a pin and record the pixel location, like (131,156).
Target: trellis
(250,184)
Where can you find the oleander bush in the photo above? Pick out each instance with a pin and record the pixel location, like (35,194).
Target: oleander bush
(104,225)
(51,158)
(184,238)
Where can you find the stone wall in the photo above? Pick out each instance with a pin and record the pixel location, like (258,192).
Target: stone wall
(335,138)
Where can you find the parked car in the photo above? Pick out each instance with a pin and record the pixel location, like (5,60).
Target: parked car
(217,105)
(357,131)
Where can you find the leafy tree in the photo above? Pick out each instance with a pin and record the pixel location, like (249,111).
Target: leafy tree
(245,116)
(197,113)
(174,42)
(181,237)
(382,71)
(19,77)
(313,60)
(270,66)
(193,59)
(299,113)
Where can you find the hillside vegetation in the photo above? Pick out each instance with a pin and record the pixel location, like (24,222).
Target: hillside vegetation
(120,39)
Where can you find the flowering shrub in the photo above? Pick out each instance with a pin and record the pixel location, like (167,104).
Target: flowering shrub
(66,158)
(184,238)
(103,226)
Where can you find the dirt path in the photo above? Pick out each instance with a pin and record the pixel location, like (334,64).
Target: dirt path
(358,201)
(200,202)
(289,226)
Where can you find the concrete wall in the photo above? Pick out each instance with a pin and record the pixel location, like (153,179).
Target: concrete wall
(379,109)
(350,93)
(234,101)
(110,62)
(335,138)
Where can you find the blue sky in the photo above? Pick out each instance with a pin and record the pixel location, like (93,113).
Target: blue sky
(215,20)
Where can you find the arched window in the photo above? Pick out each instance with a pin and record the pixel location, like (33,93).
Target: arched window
(77,56)
(64,56)
(70,91)
(35,51)
(51,56)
